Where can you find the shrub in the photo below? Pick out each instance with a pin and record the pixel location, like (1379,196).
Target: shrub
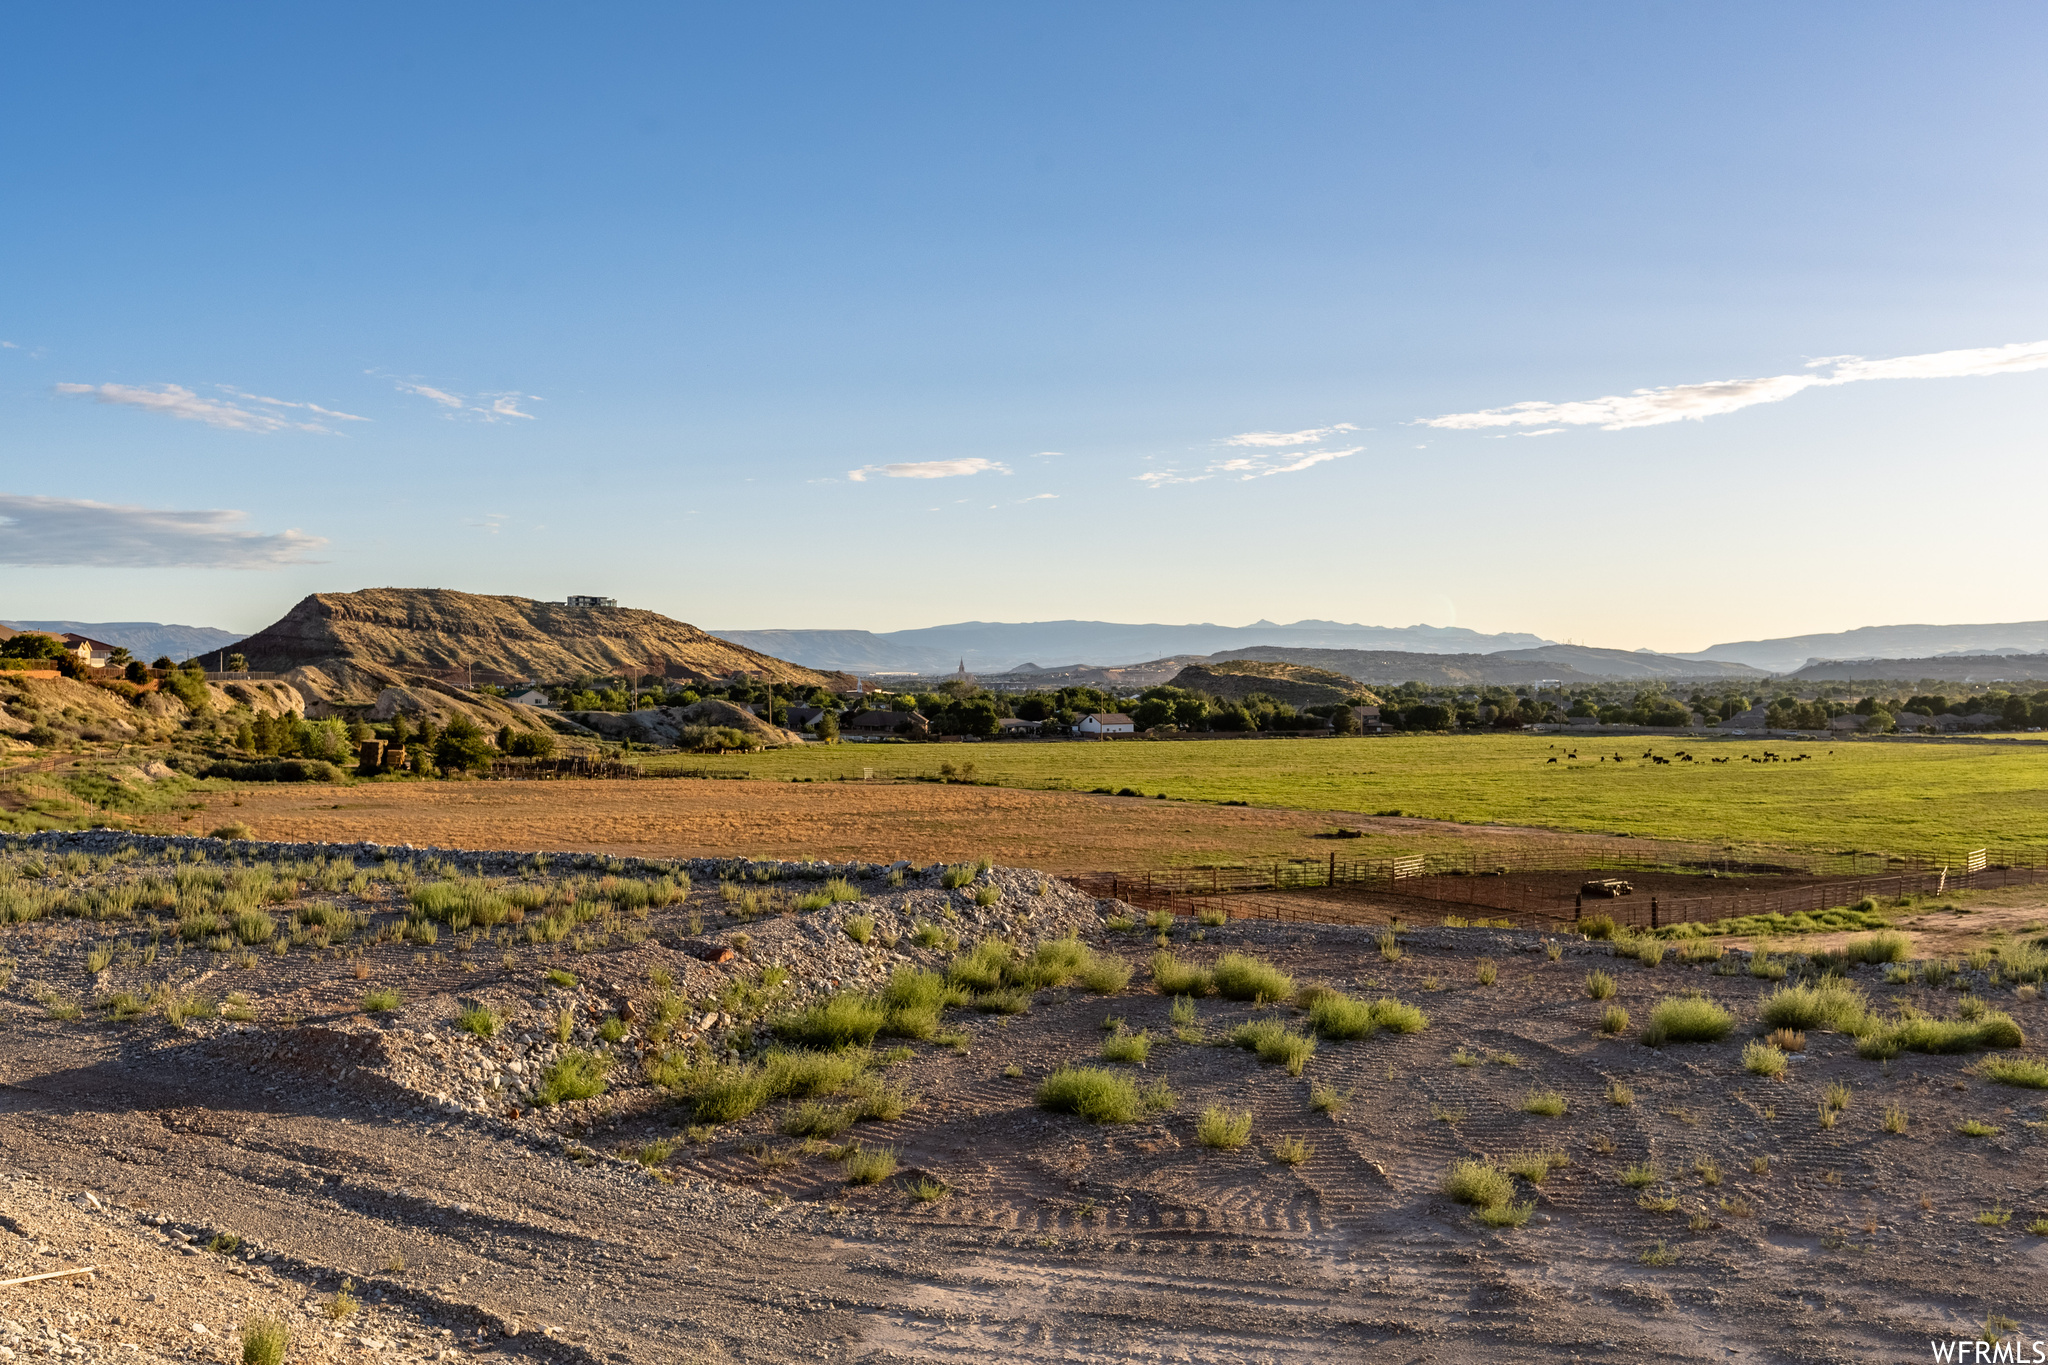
(1614,1019)
(1687,1019)
(1995,1029)
(1787,1040)
(1002,1002)
(860,928)
(957,876)
(1105,975)
(1239,976)
(1334,1015)
(1976,1128)
(988,894)
(1219,1127)
(574,1076)
(253,926)
(1599,985)
(2023,1071)
(1535,1167)
(1130,1048)
(1478,1183)
(1508,1215)
(1171,977)
(1486,972)
(1328,1099)
(1597,926)
(380,1000)
(1274,1042)
(1052,963)
(1830,1004)
(983,968)
(1639,1175)
(1091,1093)
(265,1341)
(1648,951)
(802,1073)
(843,1020)
(1546,1103)
(1763,1060)
(814,1120)
(479,1020)
(723,1093)
(237,830)
(1885,946)
(868,1166)
(1395,1017)
(1292,1151)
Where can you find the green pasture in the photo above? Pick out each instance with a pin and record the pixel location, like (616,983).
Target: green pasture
(1861,794)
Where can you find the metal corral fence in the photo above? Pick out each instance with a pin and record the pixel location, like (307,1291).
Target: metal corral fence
(1525,882)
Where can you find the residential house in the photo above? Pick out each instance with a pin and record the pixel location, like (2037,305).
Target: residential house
(1009,727)
(532,696)
(874,725)
(1913,720)
(1755,718)
(1098,724)
(93,653)
(1847,723)
(806,718)
(1368,718)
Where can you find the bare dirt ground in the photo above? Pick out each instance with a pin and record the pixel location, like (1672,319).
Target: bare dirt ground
(332,1143)
(681,818)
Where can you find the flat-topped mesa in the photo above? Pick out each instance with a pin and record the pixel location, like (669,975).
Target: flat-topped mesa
(439,631)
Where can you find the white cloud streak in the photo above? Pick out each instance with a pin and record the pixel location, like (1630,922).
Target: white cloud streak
(1697,402)
(482,407)
(51,532)
(928,469)
(1283,439)
(175,400)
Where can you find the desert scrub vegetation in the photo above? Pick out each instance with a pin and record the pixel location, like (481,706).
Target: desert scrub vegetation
(1687,1019)
(1599,985)
(480,1020)
(1129,1048)
(1170,976)
(1536,1166)
(265,1341)
(1544,1103)
(1337,1016)
(869,1165)
(572,1076)
(1291,1151)
(1830,1003)
(1490,1192)
(1913,1031)
(1614,1019)
(1224,1129)
(2020,1071)
(1092,1093)
(1762,1059)
(1275,1043)
(1240,976)
(380,1000)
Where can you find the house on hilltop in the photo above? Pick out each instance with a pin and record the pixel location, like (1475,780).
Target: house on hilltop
(1098,724)
(90,652)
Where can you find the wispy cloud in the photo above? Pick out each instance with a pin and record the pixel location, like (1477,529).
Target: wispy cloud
(1039,497)
(48,532)
(233,413)
(1246,468)
(1283,439)
(927,469)
(482,407)
(1697,402)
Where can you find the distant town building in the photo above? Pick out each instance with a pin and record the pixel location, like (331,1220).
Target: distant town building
(1010,725)
(532,696)
(1099,723)
(576,601)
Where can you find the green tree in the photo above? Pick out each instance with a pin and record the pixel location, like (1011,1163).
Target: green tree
(33,644)
(531,744)
(135,672)
(828,725)
(238,663)
(462,746)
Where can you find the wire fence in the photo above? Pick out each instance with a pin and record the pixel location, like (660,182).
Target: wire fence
(1559,881)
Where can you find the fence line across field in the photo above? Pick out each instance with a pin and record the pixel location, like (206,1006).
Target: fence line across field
(1334,889)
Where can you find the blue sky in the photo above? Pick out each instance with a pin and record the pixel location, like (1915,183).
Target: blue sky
(891,315)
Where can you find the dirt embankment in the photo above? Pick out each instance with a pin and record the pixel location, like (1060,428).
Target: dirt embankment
(1673,1206)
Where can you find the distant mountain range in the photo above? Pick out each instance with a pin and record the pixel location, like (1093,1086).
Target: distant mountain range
(1903,643)
(1374,653)
(998,647)
(146,640)
(2007,666)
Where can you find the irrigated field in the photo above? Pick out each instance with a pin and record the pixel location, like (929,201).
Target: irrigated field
(1846,794)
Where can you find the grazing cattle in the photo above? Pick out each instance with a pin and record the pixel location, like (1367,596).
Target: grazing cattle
(1550,760)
